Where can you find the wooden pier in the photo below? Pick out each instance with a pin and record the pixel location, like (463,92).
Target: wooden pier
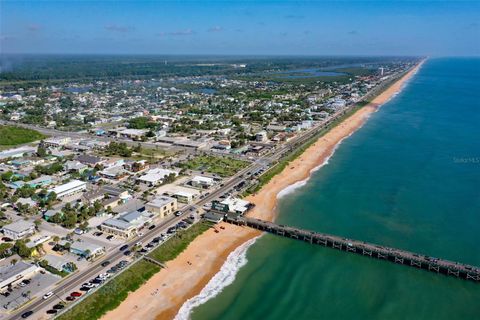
(399,256)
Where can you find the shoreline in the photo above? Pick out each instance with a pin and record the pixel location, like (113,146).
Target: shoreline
(165,293)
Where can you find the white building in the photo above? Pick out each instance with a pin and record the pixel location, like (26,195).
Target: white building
(69,188)
(127,224)
(183,196)
(202,182)
(155,176)
(56,142)
(19,229)
(236,205)
(162,206)
(261,136)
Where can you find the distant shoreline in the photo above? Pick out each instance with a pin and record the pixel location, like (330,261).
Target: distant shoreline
(182,281)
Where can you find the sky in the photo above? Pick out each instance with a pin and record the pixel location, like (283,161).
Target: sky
(436,28)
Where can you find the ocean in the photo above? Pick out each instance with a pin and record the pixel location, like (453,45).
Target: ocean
(409,178)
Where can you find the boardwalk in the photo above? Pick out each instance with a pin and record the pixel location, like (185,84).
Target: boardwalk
(399,256)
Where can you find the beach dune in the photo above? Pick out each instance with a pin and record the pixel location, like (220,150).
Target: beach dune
(163,295)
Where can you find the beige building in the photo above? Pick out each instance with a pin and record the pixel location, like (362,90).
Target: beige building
(162,206)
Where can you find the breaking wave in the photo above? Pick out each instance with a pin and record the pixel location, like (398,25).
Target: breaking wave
(235,261)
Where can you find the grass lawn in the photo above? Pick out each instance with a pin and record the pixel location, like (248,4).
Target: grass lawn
(111,295)
(175,245)
(223,166)
(12,135)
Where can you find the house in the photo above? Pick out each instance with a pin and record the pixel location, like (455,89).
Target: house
(114,173)
(19,229)
(14,273)
(50,213)
(86,249)
(26,202)
(89,160)
(202,182)
(75,166)
(136,166)
(162,206)
(59,263)
(41,181)
(69,188)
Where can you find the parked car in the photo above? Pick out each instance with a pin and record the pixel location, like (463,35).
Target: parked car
(151,227)
(52,311)
(75,294)
(124,247)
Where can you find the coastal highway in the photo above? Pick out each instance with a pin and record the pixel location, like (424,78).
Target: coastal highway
(74,282)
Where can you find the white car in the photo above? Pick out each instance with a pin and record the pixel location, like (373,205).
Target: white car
(47,295)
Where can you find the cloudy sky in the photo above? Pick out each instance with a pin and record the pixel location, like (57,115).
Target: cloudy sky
(241,27)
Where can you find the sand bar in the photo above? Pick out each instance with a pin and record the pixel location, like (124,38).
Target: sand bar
(163,295)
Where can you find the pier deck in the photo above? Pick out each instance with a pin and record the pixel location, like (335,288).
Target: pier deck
(399,256)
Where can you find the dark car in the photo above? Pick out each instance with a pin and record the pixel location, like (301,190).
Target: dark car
(151,227)
(124,247)
(127,253)
(52,311)
(26,281)
(70,298)
(58,306)
(157,239)
(27,314)
(105,263)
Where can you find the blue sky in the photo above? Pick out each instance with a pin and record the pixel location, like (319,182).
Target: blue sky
(241,27)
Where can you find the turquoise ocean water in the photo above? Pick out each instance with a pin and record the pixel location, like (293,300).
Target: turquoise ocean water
(409,178)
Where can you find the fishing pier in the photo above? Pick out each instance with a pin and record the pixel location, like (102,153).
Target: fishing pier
(441,266)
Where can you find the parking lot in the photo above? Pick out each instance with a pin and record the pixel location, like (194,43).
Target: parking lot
(39,284)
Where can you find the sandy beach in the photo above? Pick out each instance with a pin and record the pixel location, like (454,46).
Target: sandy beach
(163,295)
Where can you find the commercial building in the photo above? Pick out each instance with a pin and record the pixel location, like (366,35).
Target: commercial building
(155,176)
(202,182)
(261,136)
(69,188)
(19,229)
(127,225)
(56,142)
(17,152)
(14,273)
(162,206)
(233,205)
